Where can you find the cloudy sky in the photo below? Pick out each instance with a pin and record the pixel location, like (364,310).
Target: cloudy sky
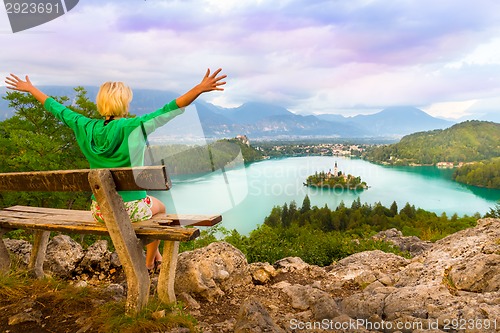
(345,57)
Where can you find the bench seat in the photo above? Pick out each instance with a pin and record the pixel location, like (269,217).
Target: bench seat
(81,221)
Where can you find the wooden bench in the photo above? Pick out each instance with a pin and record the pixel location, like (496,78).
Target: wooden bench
(128,238)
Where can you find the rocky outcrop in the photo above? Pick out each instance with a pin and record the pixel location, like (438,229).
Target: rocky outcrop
(453,284)
(411,244)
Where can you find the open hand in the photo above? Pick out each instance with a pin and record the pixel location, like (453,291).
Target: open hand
(15,83)
(212,82)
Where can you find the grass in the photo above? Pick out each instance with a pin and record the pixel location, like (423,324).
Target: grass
(156,317)
(66,308)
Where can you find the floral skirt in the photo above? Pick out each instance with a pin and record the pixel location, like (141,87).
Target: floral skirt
(138,210)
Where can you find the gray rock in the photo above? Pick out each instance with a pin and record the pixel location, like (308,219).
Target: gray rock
(321,304)
(115,290)
(290,264)
(414,245)
(299,296)
(262,273)
(20,248)
(480,274)
(211,271)
(254,318)
(364,305)
(324,307)
(63,255)
(97,259)
(367,267)
(437,285)
(24,317)
(189,302)
(114,261)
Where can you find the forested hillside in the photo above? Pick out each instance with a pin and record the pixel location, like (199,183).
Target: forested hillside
(182,159)
(469,141)
(483,174)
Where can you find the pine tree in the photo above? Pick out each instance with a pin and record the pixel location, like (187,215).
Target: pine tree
(306,205)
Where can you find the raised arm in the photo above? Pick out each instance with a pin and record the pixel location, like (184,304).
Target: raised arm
(209,83)
(15,83)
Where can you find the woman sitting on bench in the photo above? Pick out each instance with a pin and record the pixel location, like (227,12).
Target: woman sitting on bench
(111,142)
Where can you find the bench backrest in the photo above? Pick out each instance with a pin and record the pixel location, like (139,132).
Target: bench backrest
(126,179)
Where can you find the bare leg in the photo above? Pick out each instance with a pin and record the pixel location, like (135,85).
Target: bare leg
(158,206)
(152,252)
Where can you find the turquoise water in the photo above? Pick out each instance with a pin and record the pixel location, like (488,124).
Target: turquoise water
(245,195)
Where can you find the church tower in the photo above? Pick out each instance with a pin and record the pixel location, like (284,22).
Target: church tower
(335,171)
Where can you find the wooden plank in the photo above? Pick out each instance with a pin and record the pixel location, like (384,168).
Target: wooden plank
(169,219)
(83,215)
(22,215)
(142,229)
(126,179)
(47,213)
(127,246)
(189,220)
(43,210)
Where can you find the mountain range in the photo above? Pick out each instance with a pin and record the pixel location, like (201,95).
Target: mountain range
(267,121)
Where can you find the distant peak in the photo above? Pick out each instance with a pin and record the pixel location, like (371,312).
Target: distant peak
(402,109)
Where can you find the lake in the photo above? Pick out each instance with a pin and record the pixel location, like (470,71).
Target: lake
(245,195)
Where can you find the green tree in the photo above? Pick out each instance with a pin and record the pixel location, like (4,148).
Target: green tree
(34,140)
(394,208)
(494,212)
(306,205)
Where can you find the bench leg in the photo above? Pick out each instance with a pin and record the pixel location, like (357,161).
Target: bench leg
(4,254)
(166,279)
(38,251)
(127,246)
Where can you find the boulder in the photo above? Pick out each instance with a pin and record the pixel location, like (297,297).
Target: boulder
(63,256)
(321,304)
(20,248)
(480,274)
(262,273)
(411,244)
(367,267)
(290,264)
(211,271)
(254,318)
(96,259)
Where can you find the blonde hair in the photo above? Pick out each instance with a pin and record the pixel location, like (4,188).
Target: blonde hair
(113,99)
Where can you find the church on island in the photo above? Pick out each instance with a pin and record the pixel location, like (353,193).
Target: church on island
(336,173)
(335,180)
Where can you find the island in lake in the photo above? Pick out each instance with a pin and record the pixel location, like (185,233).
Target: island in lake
(335,180)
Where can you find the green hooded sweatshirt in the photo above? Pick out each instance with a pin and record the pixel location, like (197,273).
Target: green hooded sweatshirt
(120,143)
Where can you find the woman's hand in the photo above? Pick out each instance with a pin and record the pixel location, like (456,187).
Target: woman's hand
(15,83)
(210,82)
